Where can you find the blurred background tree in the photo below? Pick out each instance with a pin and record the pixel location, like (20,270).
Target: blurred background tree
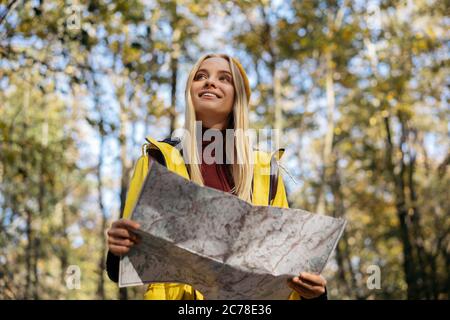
(358,89)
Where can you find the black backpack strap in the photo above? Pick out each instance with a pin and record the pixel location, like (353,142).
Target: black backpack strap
(274,174)
(273,180)
(112,266)
(172,141)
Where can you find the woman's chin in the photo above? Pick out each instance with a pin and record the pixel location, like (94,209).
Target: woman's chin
(211,107)
(206,103)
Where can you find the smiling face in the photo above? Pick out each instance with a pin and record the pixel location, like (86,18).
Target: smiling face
(212,92)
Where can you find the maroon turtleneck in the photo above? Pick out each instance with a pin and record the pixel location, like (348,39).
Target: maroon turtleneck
(216,175)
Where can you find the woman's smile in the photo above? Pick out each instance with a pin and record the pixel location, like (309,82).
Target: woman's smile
(208,94)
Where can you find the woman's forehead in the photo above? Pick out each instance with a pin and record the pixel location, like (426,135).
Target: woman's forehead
(215,64)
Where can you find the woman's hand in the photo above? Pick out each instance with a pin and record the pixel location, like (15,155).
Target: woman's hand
(121,237)
(308,285)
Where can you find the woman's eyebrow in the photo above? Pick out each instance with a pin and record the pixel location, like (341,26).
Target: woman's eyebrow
(220,71)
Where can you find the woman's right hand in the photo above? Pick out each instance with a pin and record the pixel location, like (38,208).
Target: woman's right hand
(121,237)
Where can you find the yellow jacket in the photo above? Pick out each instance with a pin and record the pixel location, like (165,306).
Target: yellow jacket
(174,162)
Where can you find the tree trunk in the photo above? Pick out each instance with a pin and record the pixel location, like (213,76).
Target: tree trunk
(63,257)
(328,143)
(28,254)
(342,250)
(174,56)
(402,214)
(428,280)
(101,263)
(277,99)
(173,94)
(42,213)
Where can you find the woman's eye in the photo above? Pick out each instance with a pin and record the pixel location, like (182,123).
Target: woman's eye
(202,76)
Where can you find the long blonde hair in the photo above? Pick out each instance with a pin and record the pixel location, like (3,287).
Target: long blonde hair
(242,169)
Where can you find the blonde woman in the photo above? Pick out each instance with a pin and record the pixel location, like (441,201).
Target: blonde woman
(217,96)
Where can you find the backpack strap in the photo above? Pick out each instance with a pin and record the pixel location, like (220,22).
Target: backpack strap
(172,141)
(274,174)
(273,180)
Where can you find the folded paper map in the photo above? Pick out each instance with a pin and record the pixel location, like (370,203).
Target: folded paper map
(221,245)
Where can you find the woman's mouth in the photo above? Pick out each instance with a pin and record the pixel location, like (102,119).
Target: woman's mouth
(208,95)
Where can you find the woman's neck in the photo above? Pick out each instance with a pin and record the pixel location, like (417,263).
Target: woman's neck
(219,124)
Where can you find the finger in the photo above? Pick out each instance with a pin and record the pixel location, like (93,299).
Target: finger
(298,285)
(121,233)
(118,250)
(313,279)
(304,293)
(315,290)
(133,225)
(303,284)
(126,223)
(114,235)
(121,242)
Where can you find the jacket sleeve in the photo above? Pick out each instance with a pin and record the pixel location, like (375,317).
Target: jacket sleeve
(137,179)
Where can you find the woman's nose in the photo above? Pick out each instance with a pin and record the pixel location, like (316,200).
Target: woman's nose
(210,82)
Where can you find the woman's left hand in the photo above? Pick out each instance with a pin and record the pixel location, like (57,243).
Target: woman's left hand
(308,285)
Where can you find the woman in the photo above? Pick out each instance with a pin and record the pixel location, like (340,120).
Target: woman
(217,94)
